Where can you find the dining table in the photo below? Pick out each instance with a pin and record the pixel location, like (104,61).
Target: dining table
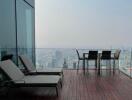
(98,62)
(85,56)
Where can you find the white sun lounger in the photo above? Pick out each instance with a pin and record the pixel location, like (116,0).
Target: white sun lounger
(20,80)
(29,66)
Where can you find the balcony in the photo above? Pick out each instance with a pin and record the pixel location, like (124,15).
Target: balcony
(66,24)
(77,86)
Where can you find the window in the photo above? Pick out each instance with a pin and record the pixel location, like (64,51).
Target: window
(25,29)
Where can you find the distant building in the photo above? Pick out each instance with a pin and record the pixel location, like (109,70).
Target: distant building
(74,65)
(65,65)
(58,55)
(53,63)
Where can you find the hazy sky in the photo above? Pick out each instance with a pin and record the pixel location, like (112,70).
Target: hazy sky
(83,23)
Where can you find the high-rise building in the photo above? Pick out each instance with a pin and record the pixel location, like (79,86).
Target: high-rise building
(65,65)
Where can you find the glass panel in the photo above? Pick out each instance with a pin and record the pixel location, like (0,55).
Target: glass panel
(125,61)
(66,58)
(7,29)
(25,29)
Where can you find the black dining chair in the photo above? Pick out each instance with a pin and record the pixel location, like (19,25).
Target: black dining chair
(92,55)
(79,59)
(106,55)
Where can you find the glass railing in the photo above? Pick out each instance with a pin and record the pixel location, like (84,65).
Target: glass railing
(126,61)
(53,58)
(67,58)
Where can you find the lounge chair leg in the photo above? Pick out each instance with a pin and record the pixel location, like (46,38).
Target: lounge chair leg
(56,91)
(61,83)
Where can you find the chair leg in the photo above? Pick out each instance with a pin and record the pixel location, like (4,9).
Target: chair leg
(96,64)
(56,90)
(101,66)
(78,66)
(118,66)
(110,65)
(87,65)
(113,66)
(106,63)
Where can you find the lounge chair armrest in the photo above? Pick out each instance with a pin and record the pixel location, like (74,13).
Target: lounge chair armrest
(13,81)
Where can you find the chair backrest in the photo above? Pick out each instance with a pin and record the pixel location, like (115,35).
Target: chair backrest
(11,70)
(78,54)
(93,55)
(106,55)
(117,54)
(27,63)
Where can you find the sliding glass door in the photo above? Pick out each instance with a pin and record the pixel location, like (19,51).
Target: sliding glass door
(25,29)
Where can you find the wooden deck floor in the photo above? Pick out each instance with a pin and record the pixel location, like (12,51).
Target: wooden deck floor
(81,87)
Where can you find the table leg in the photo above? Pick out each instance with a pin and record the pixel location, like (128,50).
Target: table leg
(99,65)
(84,66)
(113,66)
(96,64)
(84,63)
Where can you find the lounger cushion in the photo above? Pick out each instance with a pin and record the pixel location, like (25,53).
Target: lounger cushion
(42,79)
(19,78)
(11,70)
(27,63)
(31,68)
(50,70)
(39,80)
